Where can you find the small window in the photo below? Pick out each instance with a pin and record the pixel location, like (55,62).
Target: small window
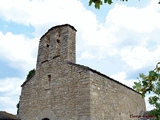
(47,45)
(49,78)
(58,41)
(49,81)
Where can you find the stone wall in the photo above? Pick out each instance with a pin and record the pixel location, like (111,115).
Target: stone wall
(111,100)
(66,96)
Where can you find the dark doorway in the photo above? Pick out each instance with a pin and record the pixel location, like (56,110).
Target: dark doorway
(45,119)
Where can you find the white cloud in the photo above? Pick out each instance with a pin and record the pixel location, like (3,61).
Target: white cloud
(9,104)
(144,19)
(129,32)
(10,85)
(86,55)
(121,77)
(10,90)
(41,12)
(135,34)
(139,56)
(18,50)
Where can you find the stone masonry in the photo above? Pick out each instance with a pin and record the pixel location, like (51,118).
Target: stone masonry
(64,90)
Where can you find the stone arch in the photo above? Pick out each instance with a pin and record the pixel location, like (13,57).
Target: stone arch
(45,119)
(46,114)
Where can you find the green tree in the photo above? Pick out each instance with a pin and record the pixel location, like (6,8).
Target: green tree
(30,74)
(150,84)
(17,108)
(98,3)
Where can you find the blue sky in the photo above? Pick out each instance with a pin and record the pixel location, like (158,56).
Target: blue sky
(120,40)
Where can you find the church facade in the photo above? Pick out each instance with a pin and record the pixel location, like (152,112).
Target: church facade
(60,89)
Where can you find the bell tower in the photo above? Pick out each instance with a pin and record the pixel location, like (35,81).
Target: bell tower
(58,41)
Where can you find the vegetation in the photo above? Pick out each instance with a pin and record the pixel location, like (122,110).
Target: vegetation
(17,108)
(30,74)
(98,3)
(150,84)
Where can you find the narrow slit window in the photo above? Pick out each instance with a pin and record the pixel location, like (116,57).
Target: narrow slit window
(49,81)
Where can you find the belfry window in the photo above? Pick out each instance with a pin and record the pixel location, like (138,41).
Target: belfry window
(58,41)
(47,45)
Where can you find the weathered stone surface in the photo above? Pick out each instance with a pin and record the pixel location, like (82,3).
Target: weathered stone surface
(63,90)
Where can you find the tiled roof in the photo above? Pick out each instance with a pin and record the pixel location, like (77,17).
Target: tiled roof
(7,116)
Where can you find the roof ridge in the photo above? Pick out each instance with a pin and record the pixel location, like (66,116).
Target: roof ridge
(7,115)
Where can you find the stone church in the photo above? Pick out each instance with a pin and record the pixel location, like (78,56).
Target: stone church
(60,89)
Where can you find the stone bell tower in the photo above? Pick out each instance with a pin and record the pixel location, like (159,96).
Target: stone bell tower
(59,41)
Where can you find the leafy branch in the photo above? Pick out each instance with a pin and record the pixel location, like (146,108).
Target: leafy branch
(150,83)
(98,3)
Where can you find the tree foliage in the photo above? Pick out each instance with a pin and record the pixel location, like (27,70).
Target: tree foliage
(17,108)
(150,84)
(30,74)
(98,3)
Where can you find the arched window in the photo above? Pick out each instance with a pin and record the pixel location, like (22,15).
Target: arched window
(45,119)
